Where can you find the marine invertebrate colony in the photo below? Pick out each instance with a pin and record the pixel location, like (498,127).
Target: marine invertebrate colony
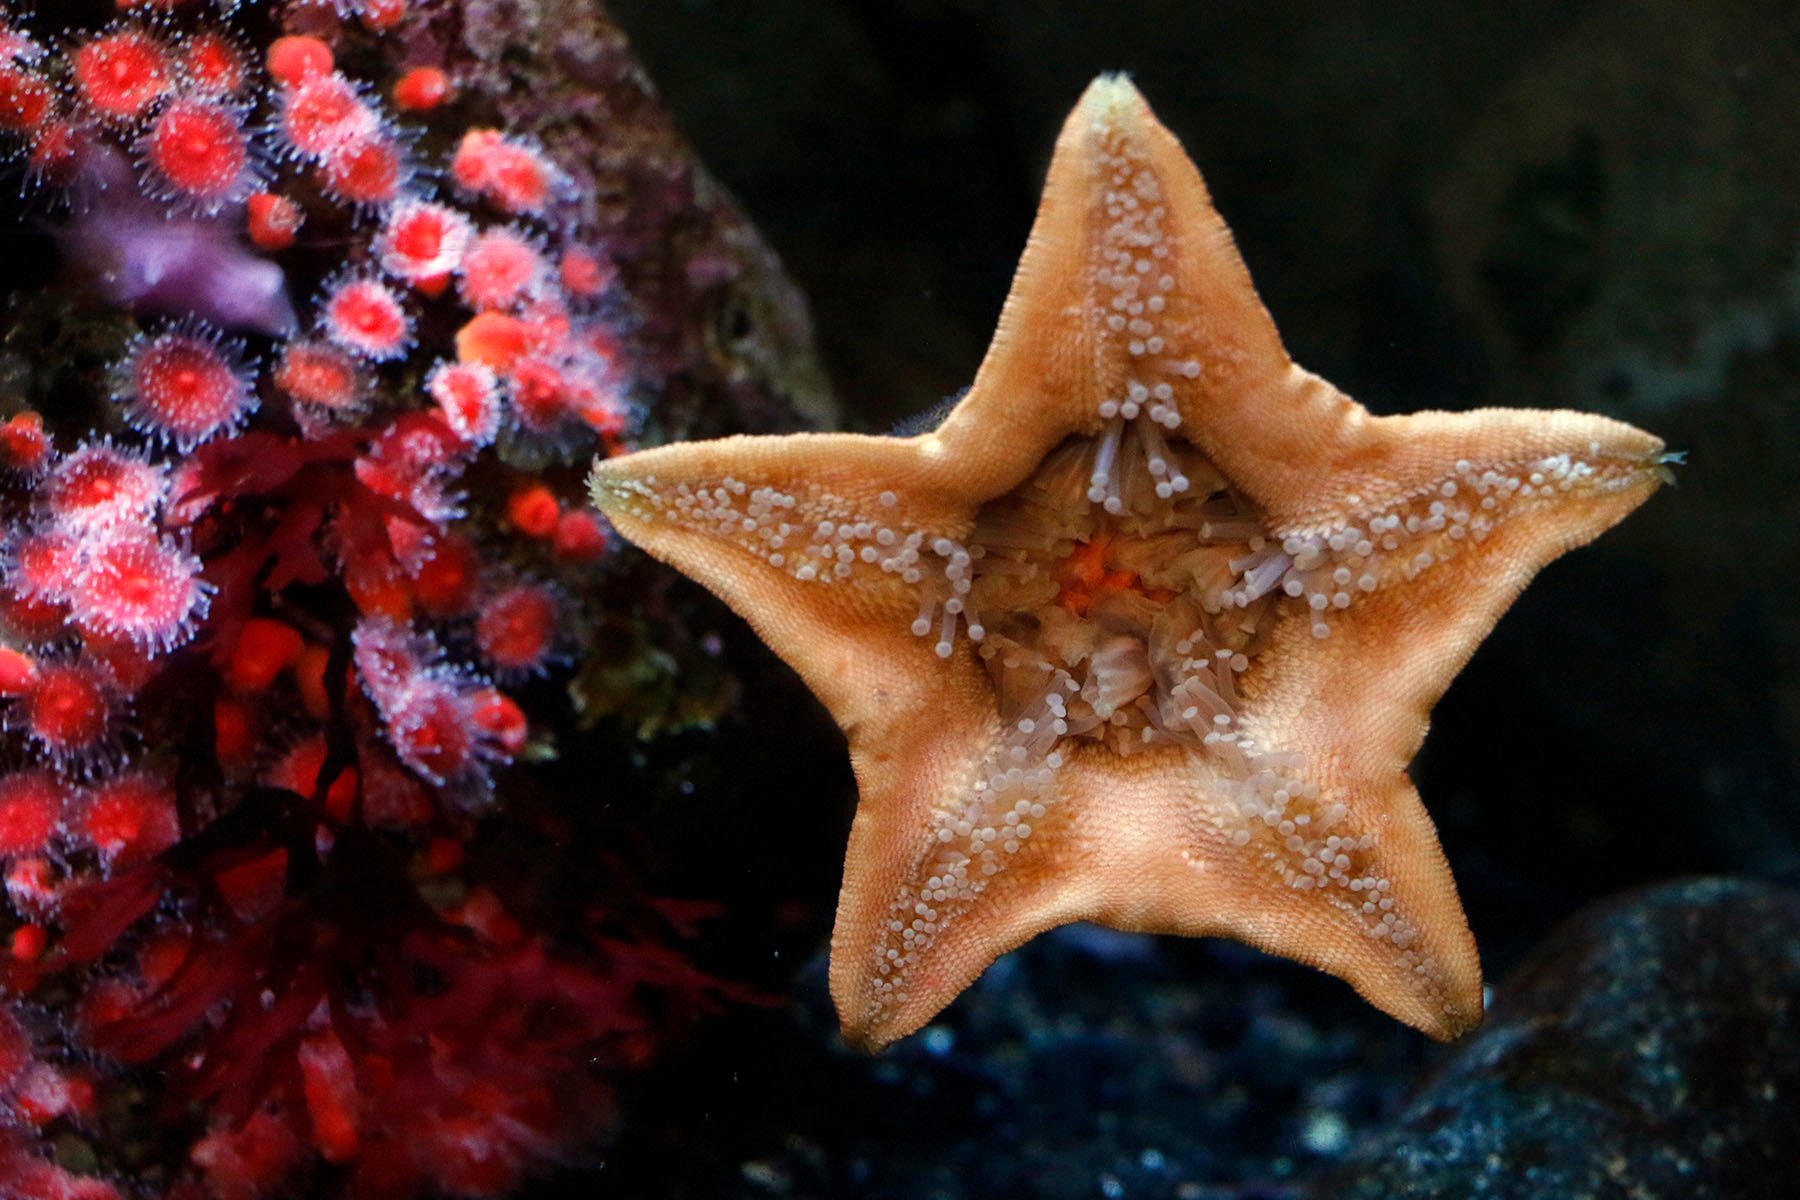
(1147,630)
(289,549)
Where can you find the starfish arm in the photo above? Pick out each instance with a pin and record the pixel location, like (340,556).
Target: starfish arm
(931,898)
(1367,466)
(1366,889)
(1193,855)
(1127,253)
(884,979)
(1155,848)
(823,542)
(1131,297)
(1411,546)
(1460,511)
(1401,941)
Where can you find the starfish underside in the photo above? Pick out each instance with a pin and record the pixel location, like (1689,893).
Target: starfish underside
(1147,631)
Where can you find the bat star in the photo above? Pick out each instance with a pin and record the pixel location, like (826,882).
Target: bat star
(1148,630)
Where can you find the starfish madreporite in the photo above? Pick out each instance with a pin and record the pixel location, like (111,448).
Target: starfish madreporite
(1147,631)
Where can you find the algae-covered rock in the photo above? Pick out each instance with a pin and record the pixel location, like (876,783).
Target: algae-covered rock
(1650,1048)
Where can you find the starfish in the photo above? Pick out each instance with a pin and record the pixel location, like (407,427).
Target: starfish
(1146,632)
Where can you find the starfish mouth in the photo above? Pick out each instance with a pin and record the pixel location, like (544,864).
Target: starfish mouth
(1124,617)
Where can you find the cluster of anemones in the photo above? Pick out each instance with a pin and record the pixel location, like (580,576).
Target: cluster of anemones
(530,370)
(91,557)
(262,633)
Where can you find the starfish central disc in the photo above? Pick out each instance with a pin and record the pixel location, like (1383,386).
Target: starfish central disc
(1123,625)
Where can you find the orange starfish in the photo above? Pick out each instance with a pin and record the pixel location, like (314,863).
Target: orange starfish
(1147,631)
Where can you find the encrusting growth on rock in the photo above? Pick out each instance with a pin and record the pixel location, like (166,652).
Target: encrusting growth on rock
(1146,632)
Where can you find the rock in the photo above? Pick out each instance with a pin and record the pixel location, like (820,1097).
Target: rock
(1649,1048)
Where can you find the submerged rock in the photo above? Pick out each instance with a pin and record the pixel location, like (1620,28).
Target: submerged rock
(1650,1048)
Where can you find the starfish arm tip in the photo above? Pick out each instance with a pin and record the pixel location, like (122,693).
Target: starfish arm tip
(603,485)
(1110,93)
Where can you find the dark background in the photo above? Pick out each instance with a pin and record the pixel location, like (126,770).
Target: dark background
(1533,204)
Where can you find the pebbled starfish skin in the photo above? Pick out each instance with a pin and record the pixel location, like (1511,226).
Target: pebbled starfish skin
(1148,630)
